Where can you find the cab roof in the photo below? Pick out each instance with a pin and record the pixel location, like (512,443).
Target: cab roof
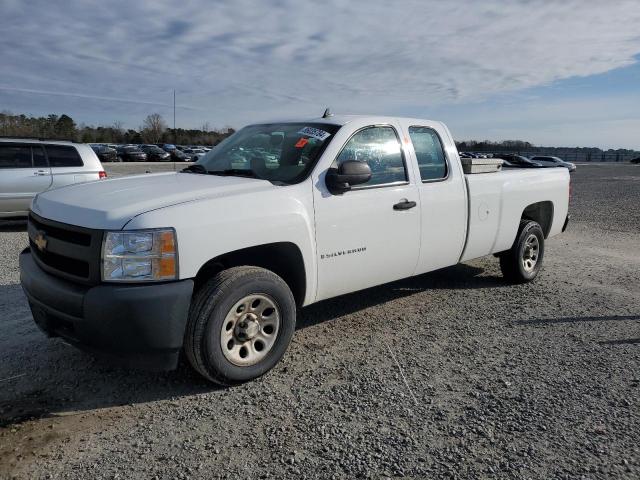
(345,119)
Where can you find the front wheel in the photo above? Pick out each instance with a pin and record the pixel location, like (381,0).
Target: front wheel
(240,324)
(523,261)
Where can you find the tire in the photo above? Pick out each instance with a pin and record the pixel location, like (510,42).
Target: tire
(215,336)
(523,261)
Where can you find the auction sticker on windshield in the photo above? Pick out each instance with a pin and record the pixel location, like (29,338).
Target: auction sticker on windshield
(301,143)
(315,133)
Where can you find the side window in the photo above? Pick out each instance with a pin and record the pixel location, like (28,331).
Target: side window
(63,156)
(15,156)
(380,148)
(429,153)
(39,160)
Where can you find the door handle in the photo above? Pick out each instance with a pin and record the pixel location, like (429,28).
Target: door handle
(41,172)
(404,205)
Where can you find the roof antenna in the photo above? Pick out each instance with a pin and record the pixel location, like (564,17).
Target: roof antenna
(327,113)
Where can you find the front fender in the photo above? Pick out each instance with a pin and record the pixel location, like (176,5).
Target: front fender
(209,228)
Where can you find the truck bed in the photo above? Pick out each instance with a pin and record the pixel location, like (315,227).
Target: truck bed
(497,201)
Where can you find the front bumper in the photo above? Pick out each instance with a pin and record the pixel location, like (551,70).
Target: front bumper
(135,325)
(566,223)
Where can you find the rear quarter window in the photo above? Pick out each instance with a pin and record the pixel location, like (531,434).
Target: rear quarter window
(429,153)
(39,160)
(63,156)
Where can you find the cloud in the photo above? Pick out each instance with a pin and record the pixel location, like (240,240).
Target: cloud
(240,61)
(606,121)
(89,97)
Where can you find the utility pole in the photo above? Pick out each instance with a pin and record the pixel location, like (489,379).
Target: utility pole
(175,137)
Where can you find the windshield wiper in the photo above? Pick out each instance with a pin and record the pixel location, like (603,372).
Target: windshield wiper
(241,172)
(195,168)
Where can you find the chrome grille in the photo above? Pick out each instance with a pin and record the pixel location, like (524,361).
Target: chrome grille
(67,251)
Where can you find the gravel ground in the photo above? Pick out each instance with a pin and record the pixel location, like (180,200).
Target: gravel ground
(453,374)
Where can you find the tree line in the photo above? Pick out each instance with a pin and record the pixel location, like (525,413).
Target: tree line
(509,146)
(154,129)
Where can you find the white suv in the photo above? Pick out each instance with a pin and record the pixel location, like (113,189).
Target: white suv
(28,167)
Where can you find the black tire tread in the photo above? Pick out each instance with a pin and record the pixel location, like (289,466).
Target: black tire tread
(203,301)
(509,260)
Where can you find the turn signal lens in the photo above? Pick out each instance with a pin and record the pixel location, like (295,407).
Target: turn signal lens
(167,267)
(167,242)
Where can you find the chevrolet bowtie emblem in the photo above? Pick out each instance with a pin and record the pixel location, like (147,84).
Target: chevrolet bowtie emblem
(41,241)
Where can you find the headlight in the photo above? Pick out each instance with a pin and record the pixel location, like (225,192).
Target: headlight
(140,256)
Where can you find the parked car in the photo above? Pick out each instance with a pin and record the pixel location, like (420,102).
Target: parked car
(345,206)
(105,154)
(29,167)
(635,160)
(194,153)
(155,153)
(179,156)
(131,153)
(517,161)
(549,161)
(167,147)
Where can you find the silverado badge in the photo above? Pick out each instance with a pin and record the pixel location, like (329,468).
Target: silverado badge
(41,241)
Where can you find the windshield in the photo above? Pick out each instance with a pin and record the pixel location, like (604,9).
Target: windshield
(280,153)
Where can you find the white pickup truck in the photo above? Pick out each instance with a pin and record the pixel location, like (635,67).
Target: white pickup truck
(215,259)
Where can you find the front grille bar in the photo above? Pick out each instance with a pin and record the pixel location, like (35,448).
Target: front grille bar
(66,251)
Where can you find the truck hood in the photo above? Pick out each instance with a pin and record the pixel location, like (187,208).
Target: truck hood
(110,204)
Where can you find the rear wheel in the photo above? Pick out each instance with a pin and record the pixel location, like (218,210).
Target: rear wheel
(523,261)
(240,324)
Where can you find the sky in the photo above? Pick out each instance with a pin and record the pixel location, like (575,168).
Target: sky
(555,73)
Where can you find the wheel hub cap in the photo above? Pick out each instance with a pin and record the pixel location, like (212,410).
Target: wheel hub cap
(247,328)
(250,330)
(530,253)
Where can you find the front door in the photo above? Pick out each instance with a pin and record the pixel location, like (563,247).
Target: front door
(24,172)
(367,236)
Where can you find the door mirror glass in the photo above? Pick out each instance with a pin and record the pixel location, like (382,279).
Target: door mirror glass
(348,174)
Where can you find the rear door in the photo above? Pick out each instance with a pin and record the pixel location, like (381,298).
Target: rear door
(367,236)
(443,195)
(66,165)
(23,174)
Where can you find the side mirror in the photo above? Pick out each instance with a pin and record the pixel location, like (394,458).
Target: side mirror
(348,174)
